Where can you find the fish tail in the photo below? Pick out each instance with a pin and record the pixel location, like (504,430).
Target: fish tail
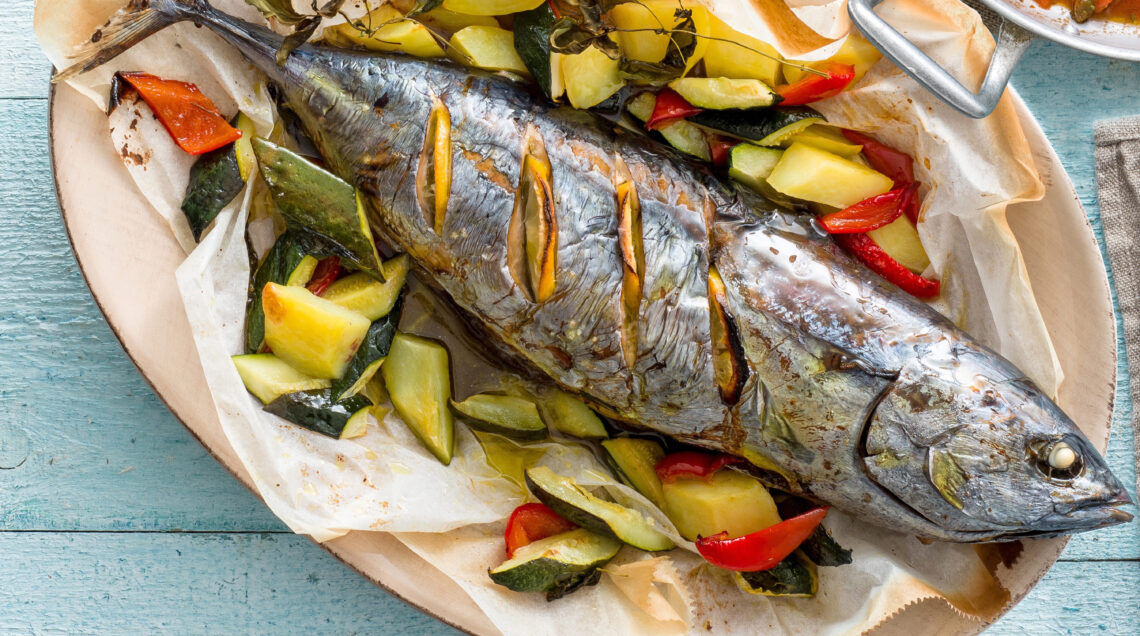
(132,24)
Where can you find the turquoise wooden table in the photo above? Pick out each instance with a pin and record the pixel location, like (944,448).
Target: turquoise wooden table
(113,519)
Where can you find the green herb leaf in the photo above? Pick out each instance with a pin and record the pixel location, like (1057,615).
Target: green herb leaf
(301,34)
(282,10)
(330,8)
(423,6)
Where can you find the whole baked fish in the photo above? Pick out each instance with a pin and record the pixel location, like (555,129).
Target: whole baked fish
(677,302)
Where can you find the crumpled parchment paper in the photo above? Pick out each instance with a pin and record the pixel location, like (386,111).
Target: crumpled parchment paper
(453,516)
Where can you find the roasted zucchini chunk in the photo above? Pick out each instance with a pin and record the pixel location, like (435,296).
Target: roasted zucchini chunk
(573,502)
(418,377)
(506,415)
(795,576)
(557,565)
(317,410)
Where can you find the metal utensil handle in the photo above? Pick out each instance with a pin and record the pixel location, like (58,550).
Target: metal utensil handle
(1011,42)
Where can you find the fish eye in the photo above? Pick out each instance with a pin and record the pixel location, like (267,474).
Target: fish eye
(1057,460)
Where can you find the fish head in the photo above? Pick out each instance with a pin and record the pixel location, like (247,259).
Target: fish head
(964,440)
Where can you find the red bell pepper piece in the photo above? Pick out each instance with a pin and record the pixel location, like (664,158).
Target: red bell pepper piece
(692,465)
(189,116)
(532,522)
(812,88)
(719,147)
(870,254)
(669,107)
(326,272)
(897,165)
(761,550)
(871,213)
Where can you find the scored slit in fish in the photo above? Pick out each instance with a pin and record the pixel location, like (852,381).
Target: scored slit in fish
(834,384)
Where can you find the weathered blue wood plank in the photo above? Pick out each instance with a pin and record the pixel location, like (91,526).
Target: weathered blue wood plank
(258,583)
(133,583)
(23,68)
(91,446)
(1079,598)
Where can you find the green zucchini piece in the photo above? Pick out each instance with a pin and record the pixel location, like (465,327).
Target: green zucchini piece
(723,93)
(268,377)
(641,105)
(532,42)
(376,392)
(317,410)
(687,138)
(570,416)
(506,415)
(824,550)
(284,264)
(217,177)
(418,378)
(568,499)
(766,126)
(557,565)
(751,164)
(357,425)
(820,547)
(635,460)
(364,294)
(318,201)
(369,356)
(795,576)
(303,273)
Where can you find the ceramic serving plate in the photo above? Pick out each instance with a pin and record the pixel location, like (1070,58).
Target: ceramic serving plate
(133,283)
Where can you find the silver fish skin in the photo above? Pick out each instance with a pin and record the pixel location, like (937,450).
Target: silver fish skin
(856,395)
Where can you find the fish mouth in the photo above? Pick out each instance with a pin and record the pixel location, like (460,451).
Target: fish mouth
(1091,515)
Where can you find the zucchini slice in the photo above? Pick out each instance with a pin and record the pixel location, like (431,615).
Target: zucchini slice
(532,43)
(767,126)
(641,105)
(730,502)
(687,138)
(313,335)
(268,377)
(751,164)
(604,517)
(418,378)
(317,410)
(357,425)
(795,576)
(369,355)
(722,93)
(217,177)
(366,295)
(635,459)
(286,263)
(570,416)
(557,565)
(318,201)
(826,138)
(506,415)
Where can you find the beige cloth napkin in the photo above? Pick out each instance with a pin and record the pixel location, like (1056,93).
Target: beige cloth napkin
(1118,185)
